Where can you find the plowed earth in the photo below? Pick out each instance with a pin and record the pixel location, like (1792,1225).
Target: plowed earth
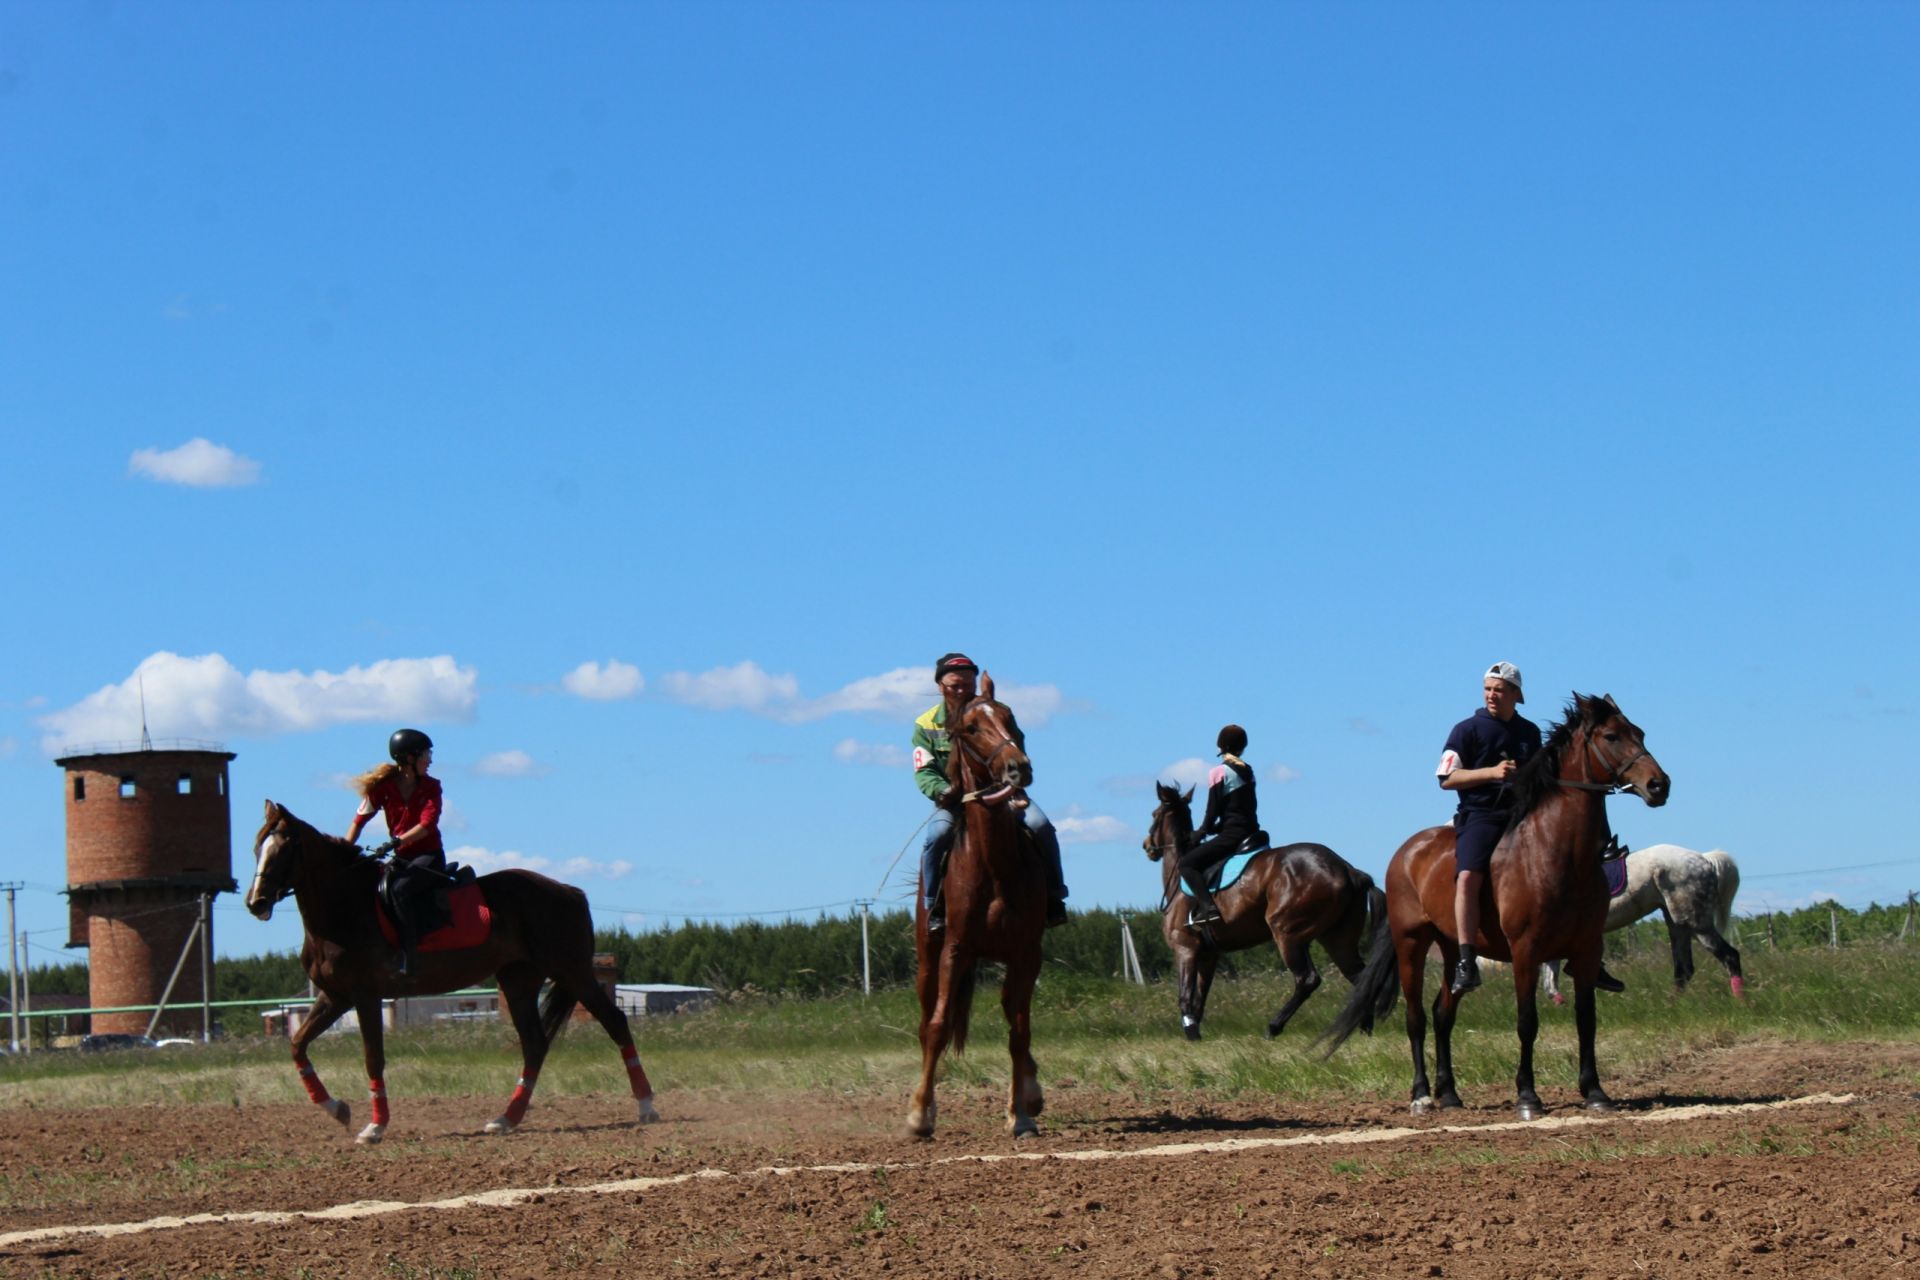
(1801,1161)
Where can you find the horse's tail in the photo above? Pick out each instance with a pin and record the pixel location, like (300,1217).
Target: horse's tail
(556,1007)
(1728,875)
(960,1007)
(1375,990)
(1377,913)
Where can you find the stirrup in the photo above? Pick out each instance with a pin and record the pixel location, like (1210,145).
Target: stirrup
(1604,981)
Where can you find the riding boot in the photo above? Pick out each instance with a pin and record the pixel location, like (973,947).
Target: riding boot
(1056,913)
(1605,981)
(1204,910)
(1466,974)
(937,912)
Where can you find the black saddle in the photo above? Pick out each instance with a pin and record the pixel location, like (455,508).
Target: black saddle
(419,896)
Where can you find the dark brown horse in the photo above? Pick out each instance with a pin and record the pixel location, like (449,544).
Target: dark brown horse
(1545,897)
(996,894)
(542,932)
(1293,895)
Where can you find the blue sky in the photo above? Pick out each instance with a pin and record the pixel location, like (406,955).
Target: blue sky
(366,365)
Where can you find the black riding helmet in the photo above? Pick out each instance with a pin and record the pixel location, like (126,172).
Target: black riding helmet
(406,744)
(1232,741)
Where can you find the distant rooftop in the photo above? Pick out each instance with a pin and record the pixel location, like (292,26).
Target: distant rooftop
(136,746)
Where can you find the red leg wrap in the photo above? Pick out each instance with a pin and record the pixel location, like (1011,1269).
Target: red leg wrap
(522,1095)
(311,1080)
(377,1090)
(636,1075)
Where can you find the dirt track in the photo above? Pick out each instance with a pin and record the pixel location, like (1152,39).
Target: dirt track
(1821,1189)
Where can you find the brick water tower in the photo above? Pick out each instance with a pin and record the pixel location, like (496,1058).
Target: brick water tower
(148,834)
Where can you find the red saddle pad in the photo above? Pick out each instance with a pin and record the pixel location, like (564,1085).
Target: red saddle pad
(471,922)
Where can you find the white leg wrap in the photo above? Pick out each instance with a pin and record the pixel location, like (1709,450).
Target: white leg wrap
(371,1135)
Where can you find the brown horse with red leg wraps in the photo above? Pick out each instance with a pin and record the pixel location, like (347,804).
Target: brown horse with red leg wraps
(1292,896)
(996,893)
(541,932)
(1545,898)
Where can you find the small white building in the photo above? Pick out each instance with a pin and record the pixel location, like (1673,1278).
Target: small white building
(645,999)
(410,1011)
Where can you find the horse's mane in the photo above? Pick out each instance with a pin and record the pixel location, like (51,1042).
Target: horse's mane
(1535,780)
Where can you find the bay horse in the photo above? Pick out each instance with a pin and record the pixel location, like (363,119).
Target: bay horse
(996,893)
(1293,895)
(1545,898)
(541,932)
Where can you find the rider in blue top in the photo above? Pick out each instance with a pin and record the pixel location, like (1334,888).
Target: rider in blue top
(1482,754)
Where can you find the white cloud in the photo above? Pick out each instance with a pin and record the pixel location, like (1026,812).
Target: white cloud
(1191,772)
(741,687)
(8,745)
(509,764)
(1282,774)
(1090,828)
(199,462)
(899,694)
(485,860)
(610,683)
(888,755)
(208,697)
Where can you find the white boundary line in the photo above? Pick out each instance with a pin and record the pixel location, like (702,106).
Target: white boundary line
(508,1197)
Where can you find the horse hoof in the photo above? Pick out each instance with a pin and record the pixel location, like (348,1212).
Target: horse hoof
(1530,1110)
(1024,1129)
(1421,1106)
(339,1110)
(499,1124)
(1450,1101)
(1601,1102)
(371,1135)
(647,1114)
(1191,1031)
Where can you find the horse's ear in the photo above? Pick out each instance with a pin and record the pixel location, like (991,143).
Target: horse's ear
(271,806)
(1189,796)
(1162,790)
(1612,703)
(986,687)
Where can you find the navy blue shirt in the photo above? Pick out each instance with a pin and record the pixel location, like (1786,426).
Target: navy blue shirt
(1481,741)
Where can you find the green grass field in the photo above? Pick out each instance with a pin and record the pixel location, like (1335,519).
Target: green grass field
(1100,1033)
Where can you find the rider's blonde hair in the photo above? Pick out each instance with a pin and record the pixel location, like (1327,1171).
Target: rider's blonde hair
(373,777)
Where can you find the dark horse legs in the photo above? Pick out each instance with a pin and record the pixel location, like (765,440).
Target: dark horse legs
(1196,980)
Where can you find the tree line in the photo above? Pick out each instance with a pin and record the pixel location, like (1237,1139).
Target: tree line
(823,956)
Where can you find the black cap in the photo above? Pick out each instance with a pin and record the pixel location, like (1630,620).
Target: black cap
(1232,740)
(953,662)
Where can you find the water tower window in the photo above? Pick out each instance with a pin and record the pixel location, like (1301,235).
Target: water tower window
(126,788)
(186,784)
(222,785)
(79,787)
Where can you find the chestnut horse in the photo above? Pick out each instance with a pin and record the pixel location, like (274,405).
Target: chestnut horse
(996,892)
(542,932)
(1545,897)
(1292,895)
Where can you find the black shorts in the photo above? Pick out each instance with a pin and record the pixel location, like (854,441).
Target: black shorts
(1475,834)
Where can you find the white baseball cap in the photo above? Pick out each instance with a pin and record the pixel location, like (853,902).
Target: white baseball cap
(1511,674)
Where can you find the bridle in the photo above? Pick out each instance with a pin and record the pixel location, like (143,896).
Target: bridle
(1617,780)
(985,762)
(259,866)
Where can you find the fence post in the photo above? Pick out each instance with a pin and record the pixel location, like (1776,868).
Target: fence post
(1906,926)
(1833,929)
(1771,944)
(866,957)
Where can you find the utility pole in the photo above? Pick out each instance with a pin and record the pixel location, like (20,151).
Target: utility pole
(866,956)
(13,965)
(206,974)
(1906,926)
(26,985)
